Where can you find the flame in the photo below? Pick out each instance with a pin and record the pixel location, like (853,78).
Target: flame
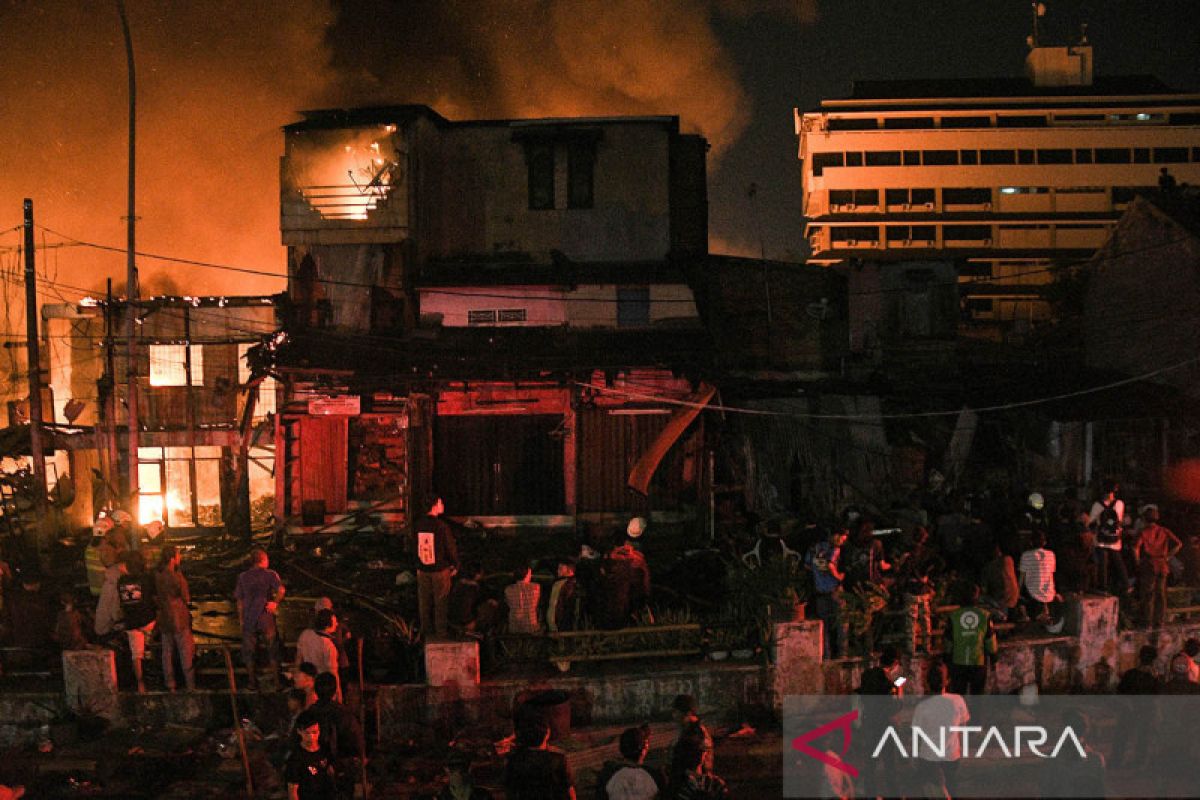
(347,178)
(152,508)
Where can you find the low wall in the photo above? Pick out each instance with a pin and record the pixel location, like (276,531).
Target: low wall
(727,691)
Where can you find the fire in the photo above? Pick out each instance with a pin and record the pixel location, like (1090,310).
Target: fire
(153,507)
(348,179)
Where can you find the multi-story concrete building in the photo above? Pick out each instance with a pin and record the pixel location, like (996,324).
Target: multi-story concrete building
(1006,176)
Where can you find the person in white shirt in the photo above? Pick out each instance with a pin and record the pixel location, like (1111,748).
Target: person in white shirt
(935,715)
(1037,576)
(1107,519)
(316,646)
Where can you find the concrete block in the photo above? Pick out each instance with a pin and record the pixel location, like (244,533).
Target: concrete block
(1094,621)
(452,664)
(90,682)
(799,651)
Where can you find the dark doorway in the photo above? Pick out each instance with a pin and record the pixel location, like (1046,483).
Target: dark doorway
(493,465)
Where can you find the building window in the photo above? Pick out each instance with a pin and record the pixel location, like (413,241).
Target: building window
(853,123)
(841,197)
(168,365)
(884,158)
(966,196)
(540,159)
(907,123)
(1083,155)
(581,163)
(1170,155)
(896,197)
(912,158)
(854,159)
(924,233)
(1112,155)
(855,233)
(941,158)
(1141,155)
(633,307)
(1054,156)
(485,316)
(866,197)
(966,233)
(969,156)
(997,157)
(966,122)
(1024,156)
(923,197)
(822,161)
(510,315)
(1024,190)
(1021,121)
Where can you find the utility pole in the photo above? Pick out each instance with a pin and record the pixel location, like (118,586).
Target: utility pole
(35,380)
(131,280)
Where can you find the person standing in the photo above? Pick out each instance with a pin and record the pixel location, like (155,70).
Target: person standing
(1107,517)
(970,643)
(629,778)
(308,773)
(316,646)
(1153,552)
(259,590)
(175,618)
(139,611)
(437,561)
(1001,591)
(626,582)
(880,682)
(1134,723)
(341,735)
(939,712)
(535,770)
(824,560)
(686,712)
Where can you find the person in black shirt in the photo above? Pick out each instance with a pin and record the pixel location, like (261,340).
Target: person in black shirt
(341,735)
(437,561)
(536,771)
(135,592)
(308,773)
(1135,724)
(882,680)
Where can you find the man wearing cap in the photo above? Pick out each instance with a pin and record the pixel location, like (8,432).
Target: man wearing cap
(1152,553)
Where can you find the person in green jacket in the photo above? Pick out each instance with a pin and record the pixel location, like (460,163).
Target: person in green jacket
(970,642)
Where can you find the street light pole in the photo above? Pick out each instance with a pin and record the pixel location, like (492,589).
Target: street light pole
(131,280)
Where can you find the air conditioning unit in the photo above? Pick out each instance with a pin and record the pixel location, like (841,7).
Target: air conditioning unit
(852,243)
(906,207)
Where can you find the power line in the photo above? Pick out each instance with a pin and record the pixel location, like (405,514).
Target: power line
(359,284)
(908,415)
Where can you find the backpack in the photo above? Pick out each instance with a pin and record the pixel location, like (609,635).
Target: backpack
(137,601)
(1108,525)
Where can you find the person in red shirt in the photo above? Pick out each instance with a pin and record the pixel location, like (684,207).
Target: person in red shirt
(1153,552)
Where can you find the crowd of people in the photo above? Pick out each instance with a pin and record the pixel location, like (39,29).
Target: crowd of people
(607,584)
(1017,564)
